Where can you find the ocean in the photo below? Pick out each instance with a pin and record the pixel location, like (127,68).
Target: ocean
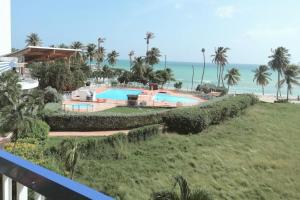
(183,72)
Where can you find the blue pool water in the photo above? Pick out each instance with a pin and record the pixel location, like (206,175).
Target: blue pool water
(173,98)
(80,106)
(117,94)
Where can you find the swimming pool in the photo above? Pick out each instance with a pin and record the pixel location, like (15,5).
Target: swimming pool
(80,106)
(117,94)
(173,99)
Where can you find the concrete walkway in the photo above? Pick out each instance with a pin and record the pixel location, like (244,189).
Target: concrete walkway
(85,133)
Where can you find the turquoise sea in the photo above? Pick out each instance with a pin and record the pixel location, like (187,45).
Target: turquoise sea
(183,72)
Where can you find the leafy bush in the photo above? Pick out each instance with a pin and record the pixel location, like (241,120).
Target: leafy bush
(207,88)
(27,150)
(51,95)
(143,133)
(36,129)
(101,121)
(281,101)
(195,119)
(178,85)
(52,108)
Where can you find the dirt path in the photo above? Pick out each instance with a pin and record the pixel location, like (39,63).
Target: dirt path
(83,134)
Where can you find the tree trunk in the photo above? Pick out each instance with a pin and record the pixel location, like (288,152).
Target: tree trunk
(203,69)
(222,76)
(228,88)
(218,74)
(278,85)
(287,93)
(263,90)
(193,78)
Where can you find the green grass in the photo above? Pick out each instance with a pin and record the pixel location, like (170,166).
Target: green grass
(254,156)
(131,110)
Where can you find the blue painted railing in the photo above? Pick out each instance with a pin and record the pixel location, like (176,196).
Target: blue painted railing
(44,181)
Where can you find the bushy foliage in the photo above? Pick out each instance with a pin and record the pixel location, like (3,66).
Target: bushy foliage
(37,129)
(59,75)
(195,119)
(28,149)
(143,133)
(178,85)
(51,95)
(101,121)
(207,88)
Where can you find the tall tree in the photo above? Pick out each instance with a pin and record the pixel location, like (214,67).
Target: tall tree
(131,54)
(33,39)
(138,69)
(112,57)
(262,76)
(153,56)
(232,77)
(62,45)
(91,52)
(100,56)
(203,71)
(76,45)
(290,77)
(193,73)
(220,59)
(185,192)
(149,36)
(280,59)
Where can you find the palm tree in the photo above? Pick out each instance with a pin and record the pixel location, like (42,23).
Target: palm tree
(291,77)
(100,41)
(138,69)
(33,39)
(62,45)
(185,192)
(100,55)
(280,59)
(71,157)
(76,45)
(152,56)
(262,76)
(220,59)
(131,53)
(149,36)
(232,77)
(193,77)
(112,57)
(203,53)
(91,51)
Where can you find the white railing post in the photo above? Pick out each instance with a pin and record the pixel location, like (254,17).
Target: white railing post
(38,196)
(7,188)
(22,192)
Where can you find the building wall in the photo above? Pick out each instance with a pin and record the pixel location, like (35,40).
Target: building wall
(5,26)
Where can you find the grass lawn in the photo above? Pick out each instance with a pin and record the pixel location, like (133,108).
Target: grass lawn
(130,110)
(254,156)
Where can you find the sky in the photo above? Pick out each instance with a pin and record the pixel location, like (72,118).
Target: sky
(250,28)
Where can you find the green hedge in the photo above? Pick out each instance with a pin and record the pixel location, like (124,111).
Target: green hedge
(143,133)
(101,121)
(37,129)
(195,119)
(111,147)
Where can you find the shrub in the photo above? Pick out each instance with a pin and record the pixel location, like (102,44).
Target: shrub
(29,151)
(195,119)
(281,101)
(37,129)
(101,121)
(51,95)
(143,133)
(178,85)
(207,88)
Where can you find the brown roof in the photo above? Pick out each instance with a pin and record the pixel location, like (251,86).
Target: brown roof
(33,53)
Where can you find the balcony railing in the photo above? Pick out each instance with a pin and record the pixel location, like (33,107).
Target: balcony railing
(45,183)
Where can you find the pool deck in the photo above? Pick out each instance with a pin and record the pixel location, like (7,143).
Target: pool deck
(146,96)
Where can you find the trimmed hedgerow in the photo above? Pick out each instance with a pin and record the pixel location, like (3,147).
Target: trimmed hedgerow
(197,118)
(101,121)
(143,133)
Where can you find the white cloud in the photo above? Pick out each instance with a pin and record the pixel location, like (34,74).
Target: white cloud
(273,33)
(226,11)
